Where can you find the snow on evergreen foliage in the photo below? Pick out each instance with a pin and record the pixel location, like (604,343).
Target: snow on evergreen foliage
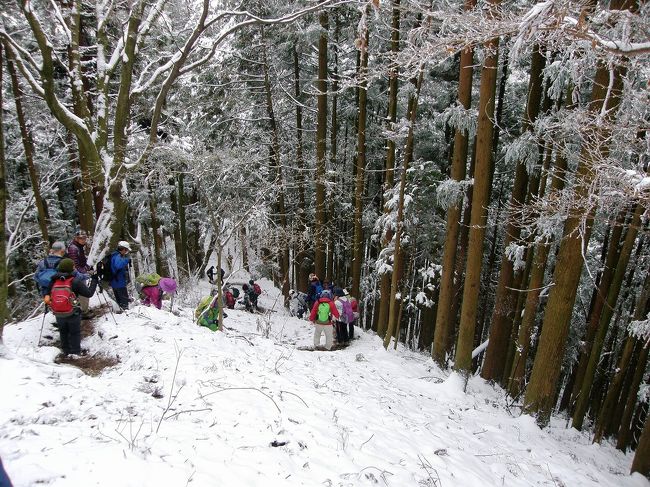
(461,118)
(525,149)
(516,254)
(451,192)
(640,329)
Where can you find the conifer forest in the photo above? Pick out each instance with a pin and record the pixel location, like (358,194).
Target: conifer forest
(475,171)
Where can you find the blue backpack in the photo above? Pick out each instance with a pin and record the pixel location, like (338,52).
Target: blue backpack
(44,276)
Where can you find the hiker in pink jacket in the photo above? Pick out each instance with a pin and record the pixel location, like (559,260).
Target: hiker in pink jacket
(152,296)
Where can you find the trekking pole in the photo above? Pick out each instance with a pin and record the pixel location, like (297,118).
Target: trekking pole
(108,305)
(40,335)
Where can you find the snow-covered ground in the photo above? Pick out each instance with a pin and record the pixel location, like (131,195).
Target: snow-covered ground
(186,406)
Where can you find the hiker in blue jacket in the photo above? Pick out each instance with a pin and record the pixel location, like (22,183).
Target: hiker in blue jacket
(120,269)
(46,268)
(315,288)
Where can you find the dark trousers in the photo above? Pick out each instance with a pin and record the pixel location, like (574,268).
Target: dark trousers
(70,330)
(341,332)
(122,297)
(351,330)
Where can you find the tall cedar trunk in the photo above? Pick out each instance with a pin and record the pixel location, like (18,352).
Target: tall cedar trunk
(301,268)
(321,148)
(157,237)
(357,244)
(178,242)
(182,259)
(283,244)
(535,283)
(389,167)
(398,257)
(3,214)
(605,318)
(505,300)
(641,462)
(625,432)
(480,202)
(611,259)
(28,146)
(605,418)
(332,228)
(193,249)
(244,249)
(445,322)
(461,257)
(541,391)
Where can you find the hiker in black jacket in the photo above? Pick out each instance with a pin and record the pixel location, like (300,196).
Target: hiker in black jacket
(63,291)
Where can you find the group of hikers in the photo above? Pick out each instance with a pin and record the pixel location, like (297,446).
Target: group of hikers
(207,312)
(66,282)
(331,309)
(62,279)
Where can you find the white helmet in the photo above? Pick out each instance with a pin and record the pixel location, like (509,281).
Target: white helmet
(123,245)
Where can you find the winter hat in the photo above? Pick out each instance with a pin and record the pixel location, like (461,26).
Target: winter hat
(66,266)
(123,245)
(245,287)
(338,292)
(251,282)
(168,285)
(326,294)
(58,246)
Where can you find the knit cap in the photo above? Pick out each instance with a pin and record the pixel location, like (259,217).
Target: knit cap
(66,266)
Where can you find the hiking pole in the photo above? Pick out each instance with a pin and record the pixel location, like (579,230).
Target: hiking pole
(108,305)
(40,335)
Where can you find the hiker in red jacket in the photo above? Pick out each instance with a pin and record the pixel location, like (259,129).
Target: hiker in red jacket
(321,316)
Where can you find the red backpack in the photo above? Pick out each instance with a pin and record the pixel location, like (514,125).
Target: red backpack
(257,289)
(62,299)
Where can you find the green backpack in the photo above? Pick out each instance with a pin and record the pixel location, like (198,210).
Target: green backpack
(148,279)
(323,314)
(207,317)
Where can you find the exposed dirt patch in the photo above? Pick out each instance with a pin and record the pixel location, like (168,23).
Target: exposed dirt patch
(90,364)
(321,348)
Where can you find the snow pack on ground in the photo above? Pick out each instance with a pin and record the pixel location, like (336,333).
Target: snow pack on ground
(185,406)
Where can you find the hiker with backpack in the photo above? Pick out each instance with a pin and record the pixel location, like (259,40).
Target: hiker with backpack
(207,312)
(257,291)
(315,288)
(210,274)
(346,316)
(354,302)
(297,303)
(46,268)
(63,299)
(149,290)
(321,316)
(229,298)
(250,298)
(119,266)
(77,252)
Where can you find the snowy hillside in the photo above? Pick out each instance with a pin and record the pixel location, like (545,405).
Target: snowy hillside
(247,407)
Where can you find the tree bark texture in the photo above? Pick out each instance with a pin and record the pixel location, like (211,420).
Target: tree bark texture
(445,322)
(479,212)
(321,148)
(540,394)
(505,299)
